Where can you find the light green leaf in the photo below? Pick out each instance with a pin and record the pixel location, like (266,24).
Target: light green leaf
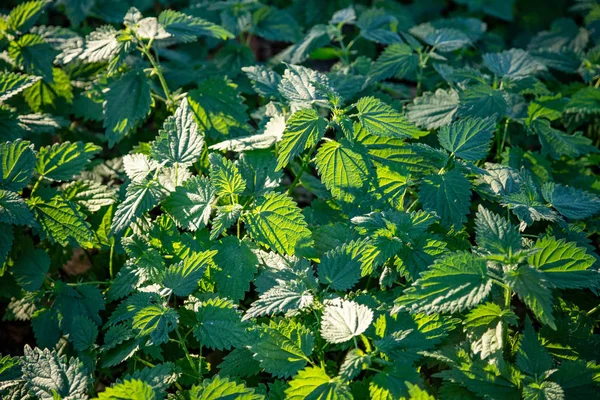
(186,28)
(487,315)
(218,388)
(156,321)
(179,142)
(34,55)
(139,198)
(571,202)
(313,383)
(131,389)
(283,349)
(183,278)
(453,284)
(468,138)
(126,104)
(565,266)
(12,83)
(344,170)
(219,324)
(276,222)
(304,129)
(17,163)
(25,15)
(62,161)
(190,205)
(343,320)
(225,176)
(530,285)
(433,110)
(50,96)
(382,120)
(448,195)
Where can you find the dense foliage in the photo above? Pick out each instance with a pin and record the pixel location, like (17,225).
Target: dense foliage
(300,199)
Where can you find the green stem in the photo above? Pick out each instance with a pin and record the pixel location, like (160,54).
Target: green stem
(507,297)
(593,310)
(110,261)
(88,283)
(303,169)
(35,186)
(146,363)
(501,141)
(185,350)
(146,51)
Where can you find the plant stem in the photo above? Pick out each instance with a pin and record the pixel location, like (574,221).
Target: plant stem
(35,186)
(88,283)
(303,169)
(185,350)
(146,51)
(593,310)
(110,261)
(501,141)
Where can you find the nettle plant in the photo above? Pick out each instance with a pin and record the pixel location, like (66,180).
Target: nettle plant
(410,214)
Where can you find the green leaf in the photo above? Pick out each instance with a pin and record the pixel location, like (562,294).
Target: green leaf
(546,390)
(301,86)
(140,197)
(398,60)
(46,328)
(532,357)
(84,333)
(218,388)
(565,266)
(126,104)
(60,220)
(103,44)
(512,64)
(62,161)
(392,383)
(286,297)
(264,80)
(274,24)
(219,324)
(156,321)
(344,170)
(25,15)
(186,28)
(239,363)
(34,55)
(340,268)
(443,39)
(433,110)
(6,241)
(453,284)
(276,222)
(131,389)
(225,218)
(179,142)
(225,176)
(313,383)
(496,234)
(283,349)
(530,285)
(584,101)
(571,202)
(382,120)
(14,210)
(468,138)
(482,101)
(354,363)
(556,143)
(183,278)
(89,194)
(30,269)
(489,314)
(343,320)
(219,109)
(12,83)
(17,163)
(54,96)
(190,205)
(448,195)
(304,129)
(46,373)
(237,266)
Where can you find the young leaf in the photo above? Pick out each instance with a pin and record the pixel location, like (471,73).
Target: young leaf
(190,205)
(382,120)
(156,321)
(60,162)
(468,138)
(186,28)
(140,197)
(343,320)
(225,176)
(182,278)
(304,129)
(276,222)
(314,383)
(222,388)
(133,389)
(179,142)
